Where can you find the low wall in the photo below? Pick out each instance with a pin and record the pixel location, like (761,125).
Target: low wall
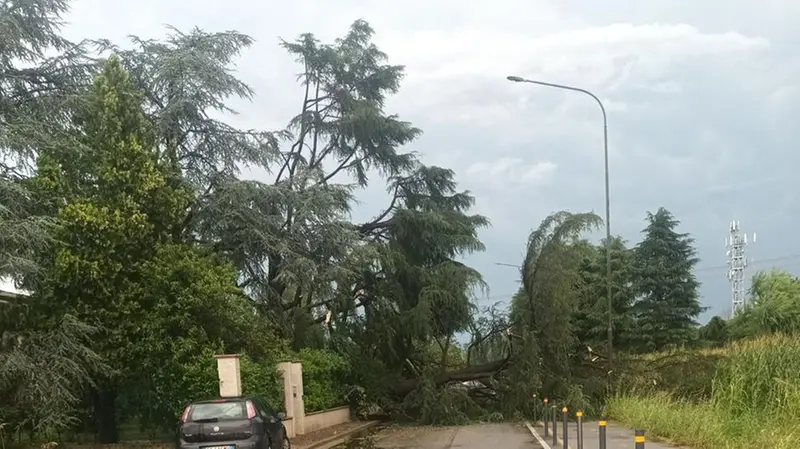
(297,422)
(326,418)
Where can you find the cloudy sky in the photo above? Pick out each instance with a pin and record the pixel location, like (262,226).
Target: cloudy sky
(701,99)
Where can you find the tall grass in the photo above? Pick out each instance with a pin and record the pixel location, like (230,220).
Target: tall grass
(754,403)
(760,375)
(703,425)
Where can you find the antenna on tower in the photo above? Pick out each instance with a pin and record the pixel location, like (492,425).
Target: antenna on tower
(736,244)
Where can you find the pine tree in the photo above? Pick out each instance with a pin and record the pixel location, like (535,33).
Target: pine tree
(35,93)
(591,317)
(121,264)
(665,284)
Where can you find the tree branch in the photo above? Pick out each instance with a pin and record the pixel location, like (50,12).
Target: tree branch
(470,373)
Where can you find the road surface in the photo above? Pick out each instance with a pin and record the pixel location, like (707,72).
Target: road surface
(617,437)
(476,436)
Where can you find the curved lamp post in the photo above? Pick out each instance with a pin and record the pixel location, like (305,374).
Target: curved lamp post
(518,79)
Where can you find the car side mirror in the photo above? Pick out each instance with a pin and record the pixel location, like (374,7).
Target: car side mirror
(281,416)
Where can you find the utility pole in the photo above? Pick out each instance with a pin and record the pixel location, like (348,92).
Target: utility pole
(736,243)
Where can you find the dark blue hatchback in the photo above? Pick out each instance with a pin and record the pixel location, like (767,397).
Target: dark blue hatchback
(232,423)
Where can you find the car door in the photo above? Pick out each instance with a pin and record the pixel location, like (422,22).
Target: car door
(272,424)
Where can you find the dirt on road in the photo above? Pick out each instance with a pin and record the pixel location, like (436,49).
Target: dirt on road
(476,436)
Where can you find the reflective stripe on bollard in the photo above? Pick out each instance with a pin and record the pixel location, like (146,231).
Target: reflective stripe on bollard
(639,439)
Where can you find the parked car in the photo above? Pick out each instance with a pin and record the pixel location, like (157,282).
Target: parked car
(232,423)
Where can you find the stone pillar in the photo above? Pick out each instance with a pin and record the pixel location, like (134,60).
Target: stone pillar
(285,369)
(297,398)
(230,375)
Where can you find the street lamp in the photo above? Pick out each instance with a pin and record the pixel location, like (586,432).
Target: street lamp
(518,79)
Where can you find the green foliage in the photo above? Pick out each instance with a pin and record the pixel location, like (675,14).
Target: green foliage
(43,366)
(433,405)
(262,379)
(686,373)
(760,375)
(701,425)
(551,290)
(200,381)
(22,232)
(35,92)
(774,306)
(137,226)
(186,79)
(401,268)
(325,379)
(122,266)
(591,318)
(42,372)
(665,281)
(715,333)
(756,392)
(741,394)
(522,380)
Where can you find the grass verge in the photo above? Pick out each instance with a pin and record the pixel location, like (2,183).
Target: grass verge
(754,401)
(704,426)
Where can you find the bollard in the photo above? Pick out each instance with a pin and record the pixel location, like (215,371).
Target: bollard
(579,416)
(555,426)
(565,429)
(639,439)
(545,419)
(602,432)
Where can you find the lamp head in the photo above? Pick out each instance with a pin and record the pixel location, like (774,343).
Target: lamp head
(516,79)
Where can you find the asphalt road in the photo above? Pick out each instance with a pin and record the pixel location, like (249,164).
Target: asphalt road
(617,437)
(476,436)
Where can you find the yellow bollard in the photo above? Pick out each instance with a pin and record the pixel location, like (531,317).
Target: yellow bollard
(639,439)
(602,432)
(545,419)
(579,416)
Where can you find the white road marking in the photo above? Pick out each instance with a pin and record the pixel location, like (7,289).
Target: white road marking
(536,435)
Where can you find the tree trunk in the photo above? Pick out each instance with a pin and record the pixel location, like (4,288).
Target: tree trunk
(105,414)
(469,373)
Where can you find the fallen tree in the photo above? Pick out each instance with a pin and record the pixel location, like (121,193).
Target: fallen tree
(476,372)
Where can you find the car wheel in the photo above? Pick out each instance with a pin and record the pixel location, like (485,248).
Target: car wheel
(286,443)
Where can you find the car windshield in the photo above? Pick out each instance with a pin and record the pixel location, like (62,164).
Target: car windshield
(218,410)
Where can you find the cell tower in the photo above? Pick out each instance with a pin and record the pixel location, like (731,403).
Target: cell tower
(736,243)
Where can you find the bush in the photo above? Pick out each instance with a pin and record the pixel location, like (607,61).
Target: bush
(262,379)
(325,379)
(259,378)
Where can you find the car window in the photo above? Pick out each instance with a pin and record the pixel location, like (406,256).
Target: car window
(218,410)
(263,410)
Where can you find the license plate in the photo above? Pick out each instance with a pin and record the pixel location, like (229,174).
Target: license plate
(231,446)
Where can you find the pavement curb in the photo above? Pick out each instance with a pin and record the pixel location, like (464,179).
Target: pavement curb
(536,435)
(338,439)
